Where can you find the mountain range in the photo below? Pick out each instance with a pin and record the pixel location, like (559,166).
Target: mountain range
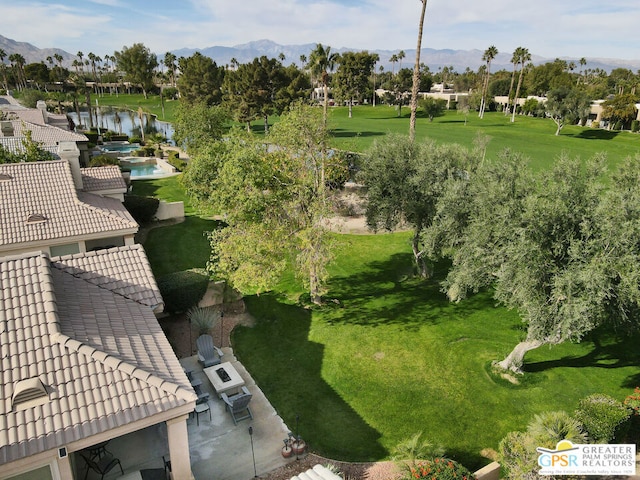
(435,59)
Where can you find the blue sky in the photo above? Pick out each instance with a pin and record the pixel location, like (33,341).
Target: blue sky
(550,28)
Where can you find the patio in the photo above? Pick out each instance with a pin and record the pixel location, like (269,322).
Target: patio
(219,449)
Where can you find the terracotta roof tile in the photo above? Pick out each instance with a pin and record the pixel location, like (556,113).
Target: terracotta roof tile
(56,326)
(51,193)
(98,179)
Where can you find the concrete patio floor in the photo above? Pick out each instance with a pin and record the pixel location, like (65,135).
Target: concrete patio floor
(219,449)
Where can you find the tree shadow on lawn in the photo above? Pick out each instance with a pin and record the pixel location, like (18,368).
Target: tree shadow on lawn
(608,351)
(597,134)
(287,367)
(387,293)
(342,133)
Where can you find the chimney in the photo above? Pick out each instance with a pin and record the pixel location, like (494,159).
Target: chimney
(69,151)
(7,128)
(42,106)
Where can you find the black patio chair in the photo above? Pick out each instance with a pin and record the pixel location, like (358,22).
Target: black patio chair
(102,465)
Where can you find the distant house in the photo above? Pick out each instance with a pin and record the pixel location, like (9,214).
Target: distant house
(84,360)
(45,208)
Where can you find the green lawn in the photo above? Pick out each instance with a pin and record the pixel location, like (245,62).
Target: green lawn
(151,104)
(532,136)
(392,357)
(389,356)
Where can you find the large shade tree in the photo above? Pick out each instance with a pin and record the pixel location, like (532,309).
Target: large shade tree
(138,64)
(559,248)
(405,180)
(351,81)
(567,106)
(200,79)
(274,201)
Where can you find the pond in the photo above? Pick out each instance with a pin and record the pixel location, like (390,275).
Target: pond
(122,121)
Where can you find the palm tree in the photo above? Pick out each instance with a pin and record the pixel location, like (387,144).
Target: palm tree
(416,75)
(393,59)
(583,62)
(80,63)
(322,61)
(401,55)
(515,58)
(282,57)
(489,54)
(303,60)
(18,62)
(3,55)
(170,63)
(525,57)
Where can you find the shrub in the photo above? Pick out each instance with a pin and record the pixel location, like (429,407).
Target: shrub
(633,401)
(142,209)
(183,290)
(602,416)
(549,428)
(170,92)
(518,456)
(439,469)
(175,160)
(135,140)
(595,124)
(635,125)
(149,151)
(140,153)
(92,136)
(101,160)
(203,318)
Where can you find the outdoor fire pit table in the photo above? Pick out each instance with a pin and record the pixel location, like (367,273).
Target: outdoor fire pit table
(224,378)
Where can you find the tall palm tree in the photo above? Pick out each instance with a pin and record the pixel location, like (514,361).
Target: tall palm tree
(489,54)
(515,59)
(416,75)
(393,59)
(3,55)
(401,55)
(80,55)
(583,62)
(322,61)
(18,62)
(170,63)
(525,57)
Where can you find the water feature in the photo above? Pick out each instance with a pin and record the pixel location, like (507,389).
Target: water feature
(122,121)
(119,147)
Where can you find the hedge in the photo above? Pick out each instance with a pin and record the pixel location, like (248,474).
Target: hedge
(183,290)
(142,209)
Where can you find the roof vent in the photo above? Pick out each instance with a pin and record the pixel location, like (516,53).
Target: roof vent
(36,218)
(4,177)
(29,393)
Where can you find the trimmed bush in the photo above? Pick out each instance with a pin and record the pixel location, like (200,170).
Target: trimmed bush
(635,125)
(602,416)
(183,290)
(174,160)
(102,160)
(135,140)
(595,124)
(142,209)
(92,136)
(439,469)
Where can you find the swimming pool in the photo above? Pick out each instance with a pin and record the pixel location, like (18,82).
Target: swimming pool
(142,167)
(120,147)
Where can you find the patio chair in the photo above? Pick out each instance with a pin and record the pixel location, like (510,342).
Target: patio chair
(202,406)
(236,404)
(208,353)
(102,465)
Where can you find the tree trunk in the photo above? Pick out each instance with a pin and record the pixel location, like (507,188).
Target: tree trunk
(266,124)
(416,76)
(515,100)
(87,94)
(326,103)
(314,286)
(351,108)
(423,269)
(515,359)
